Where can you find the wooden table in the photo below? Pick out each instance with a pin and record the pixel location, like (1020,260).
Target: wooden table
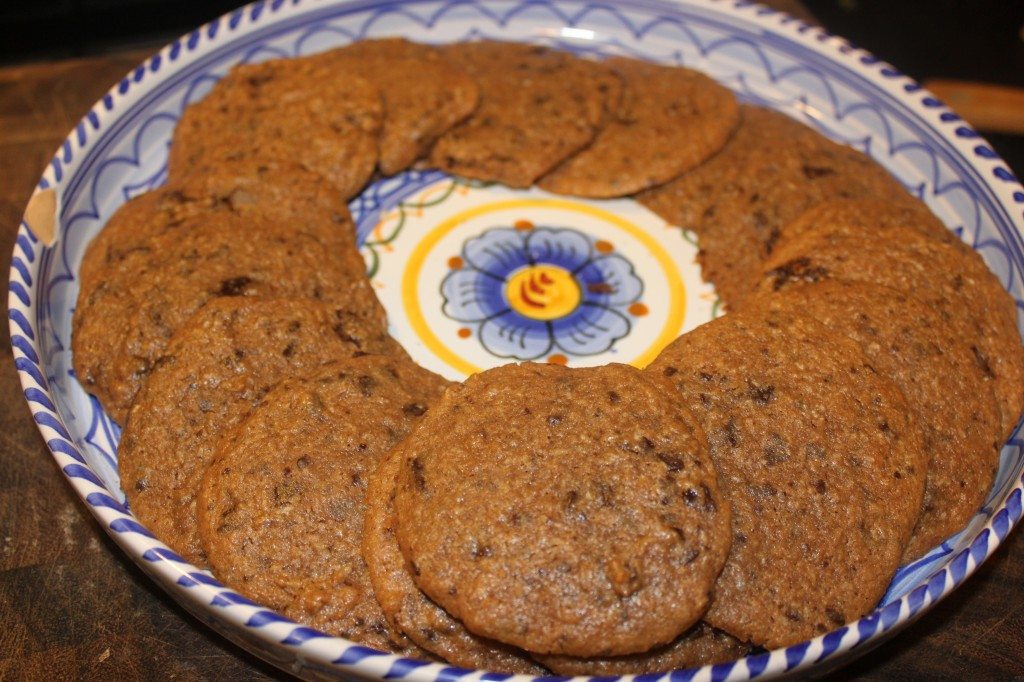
(72,606)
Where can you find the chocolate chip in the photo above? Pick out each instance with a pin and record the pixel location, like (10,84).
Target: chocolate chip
(732,434)
(417,473)
(796,270)
(366,385)
(709,501)
(775,450)
(671,461)
(761,395)
(815,172)
(983,363)
(339,331)
(234,286)
(414,410)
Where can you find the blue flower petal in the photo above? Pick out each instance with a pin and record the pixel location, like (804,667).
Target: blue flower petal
(510,335)
(610,281)
(472,296)
(497,252)
(567,248)
(589,330)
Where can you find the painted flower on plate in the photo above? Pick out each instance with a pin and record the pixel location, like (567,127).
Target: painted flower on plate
(537,292)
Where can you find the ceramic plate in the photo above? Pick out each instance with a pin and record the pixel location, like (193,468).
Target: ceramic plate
(428,239)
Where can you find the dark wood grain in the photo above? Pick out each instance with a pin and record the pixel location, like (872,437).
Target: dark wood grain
(72,606)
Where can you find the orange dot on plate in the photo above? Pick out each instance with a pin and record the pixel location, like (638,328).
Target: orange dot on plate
(558,359)
(523,225)
(603,246)
(455,263)
(465,333)
(638,309)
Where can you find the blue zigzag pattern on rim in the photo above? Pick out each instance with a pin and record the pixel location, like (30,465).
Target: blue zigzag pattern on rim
(27,341)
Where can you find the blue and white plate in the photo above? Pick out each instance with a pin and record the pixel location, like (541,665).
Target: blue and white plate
(429,239)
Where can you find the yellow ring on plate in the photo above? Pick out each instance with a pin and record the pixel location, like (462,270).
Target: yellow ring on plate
(410,279)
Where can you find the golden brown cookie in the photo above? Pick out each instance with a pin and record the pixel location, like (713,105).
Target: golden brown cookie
(588,519)
(217,367)
(537,107)
(865,217)
(698,646)
(424,95)
(947,276)
(823,468)
(134,295)
(780,167)
(280,508)
(671,120)
(284,191)
(908,342)
(407,609)
(302,109)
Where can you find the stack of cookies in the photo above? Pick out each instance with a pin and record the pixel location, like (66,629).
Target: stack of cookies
(756,486)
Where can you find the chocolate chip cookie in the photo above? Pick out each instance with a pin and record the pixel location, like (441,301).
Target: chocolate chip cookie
(280,508)
(823,467)
(589,520)
(537,107)
(303,109)
(671,119)
(134,295)
(218,367)
(406,608)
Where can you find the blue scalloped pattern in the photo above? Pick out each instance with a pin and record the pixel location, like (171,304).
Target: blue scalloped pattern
(120,147)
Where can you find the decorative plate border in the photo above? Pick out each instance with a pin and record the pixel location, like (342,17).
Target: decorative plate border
(983,177)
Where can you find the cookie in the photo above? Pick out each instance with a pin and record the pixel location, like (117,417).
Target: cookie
(866,217)
(135,296)
(423,94)
(781,168)
(908,343)
(700,645)
(687,200)
(280,508)
(217,367)
(589,520)
(537,107)
(280,190)
(268,189)
(670,121)
(823,468)
(303,109)
(950,278)
(407,609)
